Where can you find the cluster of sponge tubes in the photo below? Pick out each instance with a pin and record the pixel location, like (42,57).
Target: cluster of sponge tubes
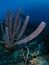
(12,30)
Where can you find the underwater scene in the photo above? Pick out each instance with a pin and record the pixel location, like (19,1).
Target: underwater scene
(24,32)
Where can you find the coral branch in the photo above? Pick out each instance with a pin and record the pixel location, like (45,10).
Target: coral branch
(18,27)
(7,35)
(23,28)
(10,24)
(6,24)
(33,35)
(15,23)
(27,53)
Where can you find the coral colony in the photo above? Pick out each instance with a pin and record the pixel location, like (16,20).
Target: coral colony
(12,34)
(9,34)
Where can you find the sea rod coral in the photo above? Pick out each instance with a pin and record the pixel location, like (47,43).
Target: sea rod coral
(10,31)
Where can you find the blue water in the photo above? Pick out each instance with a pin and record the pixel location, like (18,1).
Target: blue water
(38,10)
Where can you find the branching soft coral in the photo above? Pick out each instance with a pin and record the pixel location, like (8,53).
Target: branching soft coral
(12,30)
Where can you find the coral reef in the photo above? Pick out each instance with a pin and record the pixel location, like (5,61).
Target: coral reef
(13,34)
